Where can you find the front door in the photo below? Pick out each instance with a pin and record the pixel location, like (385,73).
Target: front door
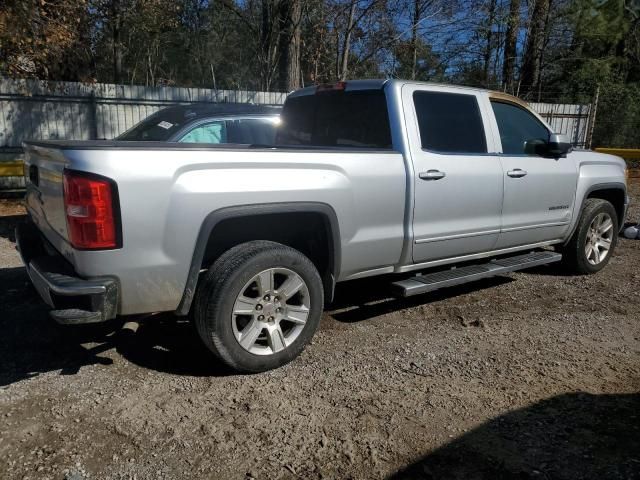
(539,192)
(458,184)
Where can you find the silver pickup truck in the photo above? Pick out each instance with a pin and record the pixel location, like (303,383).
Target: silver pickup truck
(437,185)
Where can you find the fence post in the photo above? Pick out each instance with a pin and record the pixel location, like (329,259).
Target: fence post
(576,132)
(93,108)
(592,122)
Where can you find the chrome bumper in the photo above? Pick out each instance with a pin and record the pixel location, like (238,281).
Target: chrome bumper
(74,300)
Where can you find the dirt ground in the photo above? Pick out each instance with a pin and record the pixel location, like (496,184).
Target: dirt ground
(534,375)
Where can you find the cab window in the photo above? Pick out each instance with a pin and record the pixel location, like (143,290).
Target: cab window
(521,133)
(350,119)
(449,122)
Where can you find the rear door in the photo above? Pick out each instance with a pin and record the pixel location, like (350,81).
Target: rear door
(457,179)
(539,192)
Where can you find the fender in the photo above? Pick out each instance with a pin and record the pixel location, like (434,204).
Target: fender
(215,217)
(589,191)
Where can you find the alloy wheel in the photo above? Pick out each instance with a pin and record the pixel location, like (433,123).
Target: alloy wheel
(599,238)
(270,311)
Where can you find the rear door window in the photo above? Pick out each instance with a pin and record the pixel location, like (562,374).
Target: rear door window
(449,122)
(356,119)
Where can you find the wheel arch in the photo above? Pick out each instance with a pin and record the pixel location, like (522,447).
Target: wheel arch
(613,192)
(227,227)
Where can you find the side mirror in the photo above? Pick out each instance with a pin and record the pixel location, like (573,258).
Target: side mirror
(558,145)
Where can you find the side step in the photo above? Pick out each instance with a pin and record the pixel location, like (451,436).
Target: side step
(469,273)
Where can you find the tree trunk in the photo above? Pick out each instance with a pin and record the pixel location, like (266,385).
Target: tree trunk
(289,18)
(318,48)
(530,74)
(151,82)
(117,41)
(267,58)
(346,46)
(510,46)
(414,38)
(294,71)
(545,42)
(489,36)
(336,33)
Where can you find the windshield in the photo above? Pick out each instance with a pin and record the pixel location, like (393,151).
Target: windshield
(159,127)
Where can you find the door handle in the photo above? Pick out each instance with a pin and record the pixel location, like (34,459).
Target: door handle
(517,173)
(432,175)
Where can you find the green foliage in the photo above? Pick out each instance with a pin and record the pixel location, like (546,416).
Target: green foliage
(603,54)
(618,120)
(427,67)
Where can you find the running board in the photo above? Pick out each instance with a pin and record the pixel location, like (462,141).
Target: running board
(470,273)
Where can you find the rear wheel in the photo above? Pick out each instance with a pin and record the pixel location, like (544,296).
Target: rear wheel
(259,305)
(595,238)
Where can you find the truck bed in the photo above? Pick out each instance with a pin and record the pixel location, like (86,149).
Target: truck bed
(166,191)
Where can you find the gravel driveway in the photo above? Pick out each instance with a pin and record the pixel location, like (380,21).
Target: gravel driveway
(529,375)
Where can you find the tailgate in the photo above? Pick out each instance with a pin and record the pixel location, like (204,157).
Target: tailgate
(43,170)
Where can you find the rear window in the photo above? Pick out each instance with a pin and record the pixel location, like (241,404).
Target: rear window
(357,119)
(449,122)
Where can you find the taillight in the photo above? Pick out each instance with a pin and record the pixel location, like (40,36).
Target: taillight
(90,206)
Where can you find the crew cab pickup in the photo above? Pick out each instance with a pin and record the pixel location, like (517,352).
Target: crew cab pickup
(430,185)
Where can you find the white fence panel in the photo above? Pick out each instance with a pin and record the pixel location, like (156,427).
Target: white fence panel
(35,109)
(573,120)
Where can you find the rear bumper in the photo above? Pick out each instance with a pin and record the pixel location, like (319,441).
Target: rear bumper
(74,300)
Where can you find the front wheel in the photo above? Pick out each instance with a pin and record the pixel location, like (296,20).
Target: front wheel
(594,240)
(259,305)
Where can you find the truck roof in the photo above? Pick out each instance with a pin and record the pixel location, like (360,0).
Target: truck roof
(375,84)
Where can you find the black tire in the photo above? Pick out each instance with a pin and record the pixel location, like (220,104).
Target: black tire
(574,256)
(222,283)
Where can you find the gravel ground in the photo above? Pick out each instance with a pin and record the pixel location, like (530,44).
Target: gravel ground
(530,375)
